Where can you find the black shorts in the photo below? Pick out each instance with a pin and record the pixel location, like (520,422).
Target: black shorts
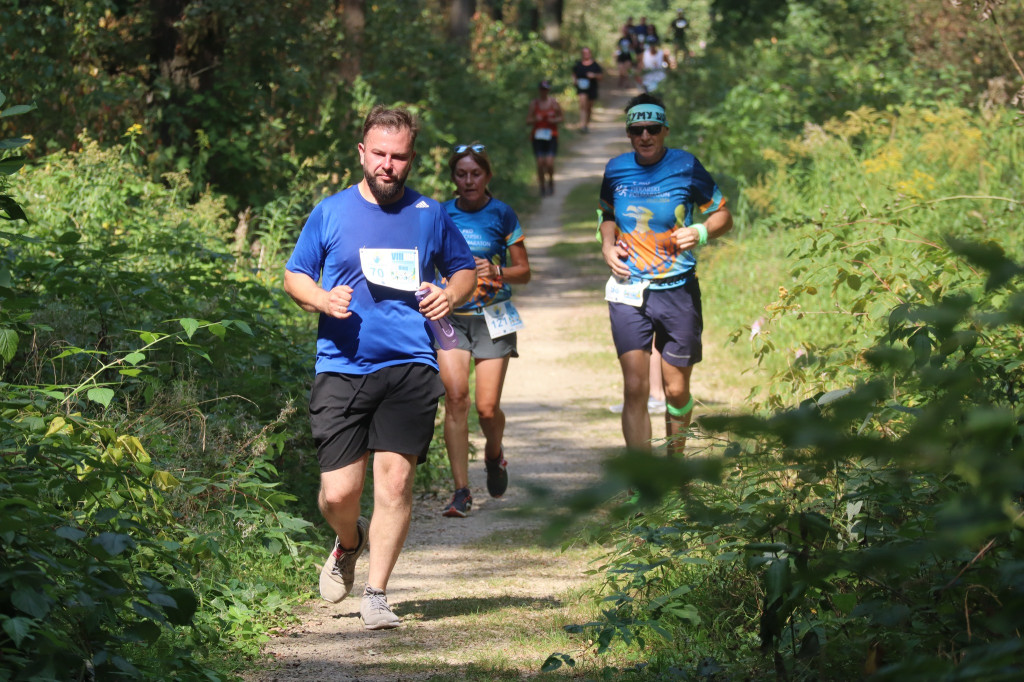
(545,147)
(672,318)
(392,410)
(624,57)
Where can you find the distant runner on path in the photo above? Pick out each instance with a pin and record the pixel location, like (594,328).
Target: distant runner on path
(485,325)
(650,198)
(586,74)
(371,247)
(543,118)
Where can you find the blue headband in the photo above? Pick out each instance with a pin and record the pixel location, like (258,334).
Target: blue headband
(642,113)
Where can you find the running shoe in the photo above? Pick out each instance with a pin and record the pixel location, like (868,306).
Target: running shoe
(497,475)
(375,612)
(460,504)
(339,572)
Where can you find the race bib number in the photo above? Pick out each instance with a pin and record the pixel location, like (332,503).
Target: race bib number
(395,268)
(583,83)
(502,319)
(625,291)
(542,134)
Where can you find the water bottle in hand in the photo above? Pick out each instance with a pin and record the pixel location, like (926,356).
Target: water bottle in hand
(442,329)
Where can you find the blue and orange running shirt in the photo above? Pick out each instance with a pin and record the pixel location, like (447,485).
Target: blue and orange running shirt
(489,232)
(643,200)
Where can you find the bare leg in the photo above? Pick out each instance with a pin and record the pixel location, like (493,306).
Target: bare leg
(393,474)
(339,500)
(490,377)
(636,421)
(677,395)
(549,167)
(584,111)
(454,366)
(657,384)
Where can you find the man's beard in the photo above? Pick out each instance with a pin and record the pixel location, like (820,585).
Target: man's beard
(384,193)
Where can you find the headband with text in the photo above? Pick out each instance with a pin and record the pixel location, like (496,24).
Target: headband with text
(643,113)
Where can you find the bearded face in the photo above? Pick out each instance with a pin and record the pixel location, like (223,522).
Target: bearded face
(386,157)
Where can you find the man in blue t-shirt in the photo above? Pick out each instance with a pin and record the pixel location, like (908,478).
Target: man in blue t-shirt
(650,199)
(362,257)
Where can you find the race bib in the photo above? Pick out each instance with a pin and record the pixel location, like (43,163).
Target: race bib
(395,268)
(625,291)
(543,134)
(582,83)
(502,319)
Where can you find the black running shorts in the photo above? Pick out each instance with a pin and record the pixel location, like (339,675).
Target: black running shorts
(672,318)
(391,410)
(545,147)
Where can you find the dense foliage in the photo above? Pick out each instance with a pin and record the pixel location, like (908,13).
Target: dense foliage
(156,475)
(256,107)
(865,519)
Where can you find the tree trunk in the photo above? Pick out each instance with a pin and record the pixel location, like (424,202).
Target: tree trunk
(459,14)
(171,62)
(551,12)
(495,8)
(353,19)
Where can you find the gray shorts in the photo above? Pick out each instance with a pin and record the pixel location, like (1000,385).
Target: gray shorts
(472,335)
(672,318)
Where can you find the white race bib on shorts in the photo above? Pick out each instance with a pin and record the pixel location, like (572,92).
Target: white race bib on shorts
(582,83)
(502,319)
(543,134)
(625,291)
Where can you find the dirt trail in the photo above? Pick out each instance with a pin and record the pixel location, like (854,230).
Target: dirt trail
(558,430)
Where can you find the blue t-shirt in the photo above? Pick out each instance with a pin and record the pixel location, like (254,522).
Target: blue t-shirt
(644,199)
(489,232)
(386,327)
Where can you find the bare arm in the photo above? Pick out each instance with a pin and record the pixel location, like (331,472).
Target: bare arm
(309,296)
(518,270)
(717,224)
(614,254)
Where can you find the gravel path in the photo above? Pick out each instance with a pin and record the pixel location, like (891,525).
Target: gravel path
(558,431)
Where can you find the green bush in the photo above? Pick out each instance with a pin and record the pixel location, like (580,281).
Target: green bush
(864,518)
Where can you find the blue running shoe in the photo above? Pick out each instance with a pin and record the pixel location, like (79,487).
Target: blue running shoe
(460,505)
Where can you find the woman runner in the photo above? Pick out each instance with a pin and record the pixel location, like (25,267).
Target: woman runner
(484,325)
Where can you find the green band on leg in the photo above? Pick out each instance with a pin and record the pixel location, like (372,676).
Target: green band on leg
(680,411)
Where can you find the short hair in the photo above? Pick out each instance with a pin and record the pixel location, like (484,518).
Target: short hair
(394,118)
(644,98)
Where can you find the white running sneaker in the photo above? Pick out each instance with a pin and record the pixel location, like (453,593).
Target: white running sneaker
(339,572)
(375,612)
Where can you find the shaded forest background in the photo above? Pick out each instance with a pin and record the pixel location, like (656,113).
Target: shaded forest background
(160,157)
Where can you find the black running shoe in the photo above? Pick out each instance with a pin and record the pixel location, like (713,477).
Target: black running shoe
(497,475)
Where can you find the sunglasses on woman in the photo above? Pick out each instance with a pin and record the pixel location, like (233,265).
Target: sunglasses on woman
(465,147)
(637,131)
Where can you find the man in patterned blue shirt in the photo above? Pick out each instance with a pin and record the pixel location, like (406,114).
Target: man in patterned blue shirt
(651,200)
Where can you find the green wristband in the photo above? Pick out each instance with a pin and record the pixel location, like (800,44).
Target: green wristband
(702,233)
